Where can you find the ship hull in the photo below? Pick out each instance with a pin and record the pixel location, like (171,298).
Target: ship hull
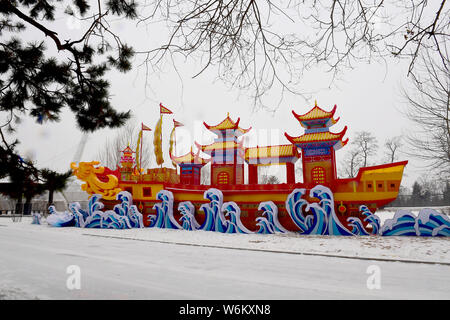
(373,187)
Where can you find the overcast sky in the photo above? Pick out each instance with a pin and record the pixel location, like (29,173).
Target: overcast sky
(367,98)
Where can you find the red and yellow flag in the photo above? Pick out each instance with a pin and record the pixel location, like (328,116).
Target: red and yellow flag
(164,110)
(144,127)
(177,124)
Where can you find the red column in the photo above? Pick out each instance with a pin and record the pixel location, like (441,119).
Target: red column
(212,173)
(290,172)
(252,174)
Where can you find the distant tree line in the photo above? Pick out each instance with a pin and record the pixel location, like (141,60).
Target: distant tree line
(424,192)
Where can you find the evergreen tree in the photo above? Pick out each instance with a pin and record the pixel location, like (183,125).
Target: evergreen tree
(54,181)
(24,182)
(33,83)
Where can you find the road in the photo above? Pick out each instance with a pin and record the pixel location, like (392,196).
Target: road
(35,264)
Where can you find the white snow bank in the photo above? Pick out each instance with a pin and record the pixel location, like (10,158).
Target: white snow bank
(424,249)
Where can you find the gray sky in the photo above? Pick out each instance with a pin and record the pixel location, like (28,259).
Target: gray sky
(367,98)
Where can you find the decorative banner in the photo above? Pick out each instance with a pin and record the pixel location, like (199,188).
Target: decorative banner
(177,124)
(164,110)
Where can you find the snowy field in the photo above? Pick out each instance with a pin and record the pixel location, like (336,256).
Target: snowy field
(176,264)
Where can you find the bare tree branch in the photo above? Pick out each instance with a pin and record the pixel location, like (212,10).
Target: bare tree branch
(259,46)
(428,106)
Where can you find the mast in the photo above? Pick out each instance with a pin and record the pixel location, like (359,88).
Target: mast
(160,138)
(140,155)
(139,146)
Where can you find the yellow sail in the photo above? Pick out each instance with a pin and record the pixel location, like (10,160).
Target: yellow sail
(157,143)
(172,139)
(138,164)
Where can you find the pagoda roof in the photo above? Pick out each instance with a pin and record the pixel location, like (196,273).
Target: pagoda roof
(281,151)
(316,113)
(190,158)
(127,150)
(227,124)
(318,137)
(221,145)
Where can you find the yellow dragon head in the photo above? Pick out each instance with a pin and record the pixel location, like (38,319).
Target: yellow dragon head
(88,173)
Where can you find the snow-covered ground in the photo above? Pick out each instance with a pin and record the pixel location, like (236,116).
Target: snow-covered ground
(176,264)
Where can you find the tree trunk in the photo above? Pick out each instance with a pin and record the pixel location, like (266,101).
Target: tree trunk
(50,200)
(19,205)
(50,197)
(27,206)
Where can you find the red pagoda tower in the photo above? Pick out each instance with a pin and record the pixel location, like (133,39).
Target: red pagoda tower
(318,146)
(126,163)
(227,154)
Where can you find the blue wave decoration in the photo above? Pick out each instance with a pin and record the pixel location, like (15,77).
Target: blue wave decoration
(234,225)
(372,220)
(264,226)
(127,209)
(36,218)
(428,223)
(214,219)
(219,216)
(269,223)
(124,215)
(188,221)
(164,212)
(316,218)
(79,214)
(90,218)
(326,204)
(295,206)
(60,219)
(322,219)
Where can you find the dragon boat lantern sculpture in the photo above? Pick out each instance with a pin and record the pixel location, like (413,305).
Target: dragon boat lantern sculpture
(373,186)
